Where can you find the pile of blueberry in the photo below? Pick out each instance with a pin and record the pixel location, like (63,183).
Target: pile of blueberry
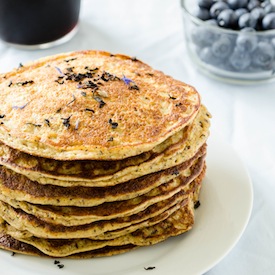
(250,48)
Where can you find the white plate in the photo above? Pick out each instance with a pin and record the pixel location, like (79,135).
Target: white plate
(226,203)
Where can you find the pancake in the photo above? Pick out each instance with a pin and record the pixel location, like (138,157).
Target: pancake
(24,221)
(108,235)
(92,105)
(177,223)
(33,226)
(20,188)
(75,215)
(192,200)
(77,170)
(9,243)
(101,173)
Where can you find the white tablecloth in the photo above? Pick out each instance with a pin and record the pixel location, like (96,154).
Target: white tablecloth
(244,116)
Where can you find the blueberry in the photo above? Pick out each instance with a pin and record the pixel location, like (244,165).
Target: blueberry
(207,56)
(258,13)
(269,8)
(211,22)
(203,36)
(253,4)
(240,12)
(205,3)
(227,19)
(223,47)
(217,8)
(246,41)
(264,55)
(246,20)
(202,13)
(240,60)
(268,22)
(237,4)
(265,3)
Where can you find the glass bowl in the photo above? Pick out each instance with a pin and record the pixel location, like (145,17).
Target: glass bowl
(232,55)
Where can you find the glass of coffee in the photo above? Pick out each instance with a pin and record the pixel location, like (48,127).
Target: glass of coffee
(38,24)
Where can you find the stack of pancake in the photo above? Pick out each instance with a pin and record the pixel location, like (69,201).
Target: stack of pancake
(99,154)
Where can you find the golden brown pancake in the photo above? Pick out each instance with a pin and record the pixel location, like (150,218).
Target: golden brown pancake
(178,149)
(9,243)
(24,221)
(75,215)
(92,105)
(16,186)
(177,223)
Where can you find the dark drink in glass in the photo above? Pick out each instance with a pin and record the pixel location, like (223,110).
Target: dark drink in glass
(38,23)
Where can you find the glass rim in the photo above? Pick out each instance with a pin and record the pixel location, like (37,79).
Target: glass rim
(200,22)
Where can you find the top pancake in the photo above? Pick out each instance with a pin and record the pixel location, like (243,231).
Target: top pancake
(91,105)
